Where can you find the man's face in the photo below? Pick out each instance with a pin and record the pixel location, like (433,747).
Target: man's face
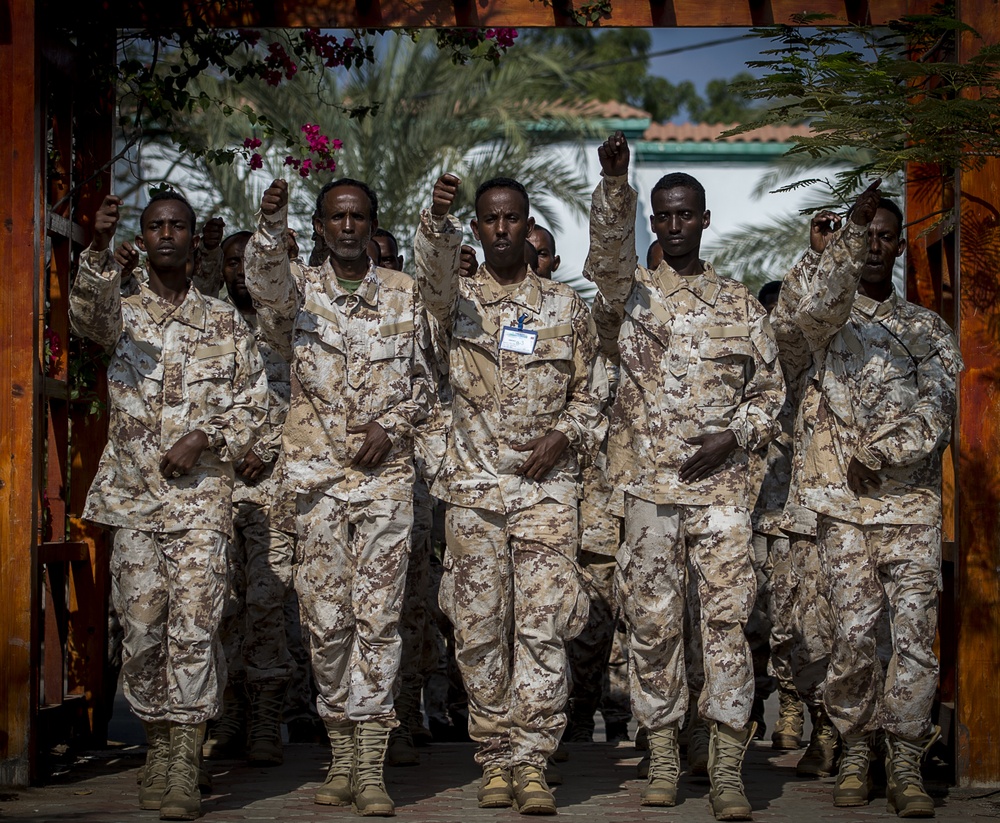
(548,260)
(391,259)
(501,227)
(884,245)
(678,221)
(346,223)
(232,268)
(167,235)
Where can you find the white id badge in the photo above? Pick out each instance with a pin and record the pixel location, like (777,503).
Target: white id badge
(521,341)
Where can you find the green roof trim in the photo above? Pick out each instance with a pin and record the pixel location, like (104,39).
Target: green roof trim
(655,152)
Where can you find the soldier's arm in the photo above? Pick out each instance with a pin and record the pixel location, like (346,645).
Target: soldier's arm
(95,303)
(437,250)
(927,424)
(400,420)
(583,421)
(268,271)
(207,277)
(612,259)
(233,432)
(755,422)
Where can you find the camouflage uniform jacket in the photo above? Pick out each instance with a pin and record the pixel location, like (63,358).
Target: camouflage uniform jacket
(267,448)
(173,369)
(505,398)
(354,358)
(697,356)
(882,391)
(206,276)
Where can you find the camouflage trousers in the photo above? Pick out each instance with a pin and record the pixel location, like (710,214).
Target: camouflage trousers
(660,541)
(300,697)
(169,589)
(616,704)
(512,590)
(869,569)
(801,620)
(260,572)
(414,628)
(350,572)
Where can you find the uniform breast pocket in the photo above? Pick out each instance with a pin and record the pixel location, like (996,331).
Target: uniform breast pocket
(724,362)
(209,377)
(899,383)
(135,384)
(547,373)
(391,363)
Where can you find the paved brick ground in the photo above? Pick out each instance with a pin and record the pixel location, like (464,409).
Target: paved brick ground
(599,787)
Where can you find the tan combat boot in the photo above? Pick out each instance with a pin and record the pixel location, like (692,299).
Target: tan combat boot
(371,739)
(182,798)
(266,701)
(726,749)
(905,790)
(154,773)
(697,753)
(664,768)
(336,789)
(787,734)
(227,735)
(495,789)
(532,794)
(854,784)
(820,756)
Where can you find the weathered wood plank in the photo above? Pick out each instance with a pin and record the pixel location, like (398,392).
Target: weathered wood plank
(20,267)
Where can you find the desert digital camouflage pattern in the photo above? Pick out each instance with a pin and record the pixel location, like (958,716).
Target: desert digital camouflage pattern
(355,358)
(697,356)
(883,392)
(504,398)
(173,369)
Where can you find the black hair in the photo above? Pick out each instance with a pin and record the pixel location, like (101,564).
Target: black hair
(235,235)
(159,197)
(347,181)
(552,237)
(501,183)
(679,179)
(769,290)
(380,232)
(889,206)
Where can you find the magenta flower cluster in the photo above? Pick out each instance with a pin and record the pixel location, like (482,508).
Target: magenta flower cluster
(321,147)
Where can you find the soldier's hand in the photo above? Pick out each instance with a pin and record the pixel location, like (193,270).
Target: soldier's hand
(127,256)
(861,479)
(715,448)
(275,198)
(212,234)
(545,453)
(864,208)
(614,155)
(444,194)
(467,263)
(105,222)
(375,448)
(184,454)
(250,467)
(822,228)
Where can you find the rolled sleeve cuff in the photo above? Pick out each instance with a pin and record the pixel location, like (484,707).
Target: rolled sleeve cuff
(868,458)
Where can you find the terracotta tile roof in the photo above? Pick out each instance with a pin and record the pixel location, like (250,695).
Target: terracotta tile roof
(611,109)
(706,133)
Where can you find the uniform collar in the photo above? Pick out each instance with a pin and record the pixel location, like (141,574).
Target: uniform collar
(876,308)
(367,292)
(191,311)
(527,294)
(704,286)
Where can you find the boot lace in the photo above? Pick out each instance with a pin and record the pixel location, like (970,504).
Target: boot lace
(664,762)
(371,741)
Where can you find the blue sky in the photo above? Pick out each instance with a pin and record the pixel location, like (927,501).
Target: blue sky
(703,64)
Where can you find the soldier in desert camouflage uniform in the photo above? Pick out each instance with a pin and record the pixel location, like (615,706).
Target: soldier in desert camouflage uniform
(883,399)
(699,389)
(362,378)
(253,630)
(527,399)
(187,395)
